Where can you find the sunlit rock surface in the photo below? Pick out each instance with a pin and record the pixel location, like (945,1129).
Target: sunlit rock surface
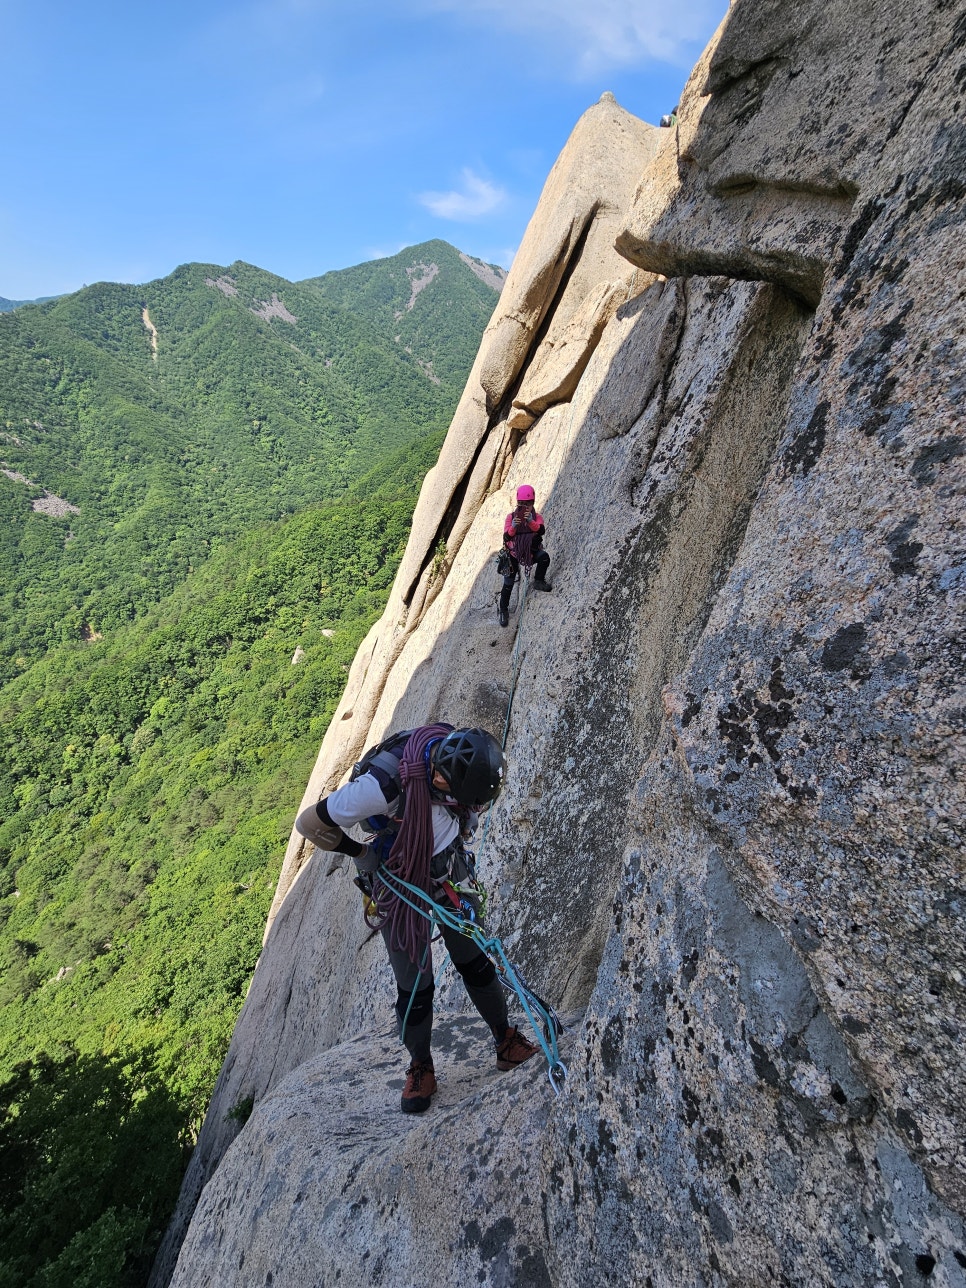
(731,840)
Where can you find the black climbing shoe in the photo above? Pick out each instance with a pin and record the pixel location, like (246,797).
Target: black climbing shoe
(504,617)
(420,1087)
(540,584)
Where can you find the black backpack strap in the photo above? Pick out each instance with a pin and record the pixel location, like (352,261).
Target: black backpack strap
(382,761)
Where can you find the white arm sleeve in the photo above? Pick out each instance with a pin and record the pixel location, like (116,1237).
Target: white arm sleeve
(356,801)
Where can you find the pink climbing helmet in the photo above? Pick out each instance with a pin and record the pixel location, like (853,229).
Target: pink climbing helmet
(525,493)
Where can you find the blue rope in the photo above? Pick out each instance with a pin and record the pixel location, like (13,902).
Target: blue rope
(548,1028)
(514,676)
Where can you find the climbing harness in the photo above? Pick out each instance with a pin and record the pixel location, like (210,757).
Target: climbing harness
(543,1018)
(459,897)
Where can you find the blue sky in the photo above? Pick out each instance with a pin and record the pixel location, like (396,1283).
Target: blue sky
(302,135)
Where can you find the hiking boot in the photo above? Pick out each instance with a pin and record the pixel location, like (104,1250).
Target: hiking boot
(420,1087)
(504,617)
(514,1049)
(540,584)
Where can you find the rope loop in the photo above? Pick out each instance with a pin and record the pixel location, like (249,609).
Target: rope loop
(411,855)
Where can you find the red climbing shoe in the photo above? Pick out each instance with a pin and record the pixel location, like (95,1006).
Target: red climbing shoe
(514,1049)
(420,1086)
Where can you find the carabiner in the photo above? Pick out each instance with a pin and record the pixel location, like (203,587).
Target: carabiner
(559,1070)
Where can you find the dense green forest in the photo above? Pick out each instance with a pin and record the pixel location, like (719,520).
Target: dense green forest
(7,306)
(244,492)
(174,415)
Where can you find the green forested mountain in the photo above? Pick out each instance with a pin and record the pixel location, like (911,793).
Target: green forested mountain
(7,306)
(173,654)
(140,425)
(420,301)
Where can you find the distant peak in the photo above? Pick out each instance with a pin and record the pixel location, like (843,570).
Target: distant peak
(607,97)
(491,274)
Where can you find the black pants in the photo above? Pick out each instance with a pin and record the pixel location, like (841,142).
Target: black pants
(415,988)
(479,979)
(541,564)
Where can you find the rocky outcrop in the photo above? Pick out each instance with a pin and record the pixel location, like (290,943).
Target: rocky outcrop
(566,259)
(732,837)
(492,274)
(782,124)
(568,250)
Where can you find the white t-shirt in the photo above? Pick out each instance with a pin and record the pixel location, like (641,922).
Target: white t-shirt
(356,801)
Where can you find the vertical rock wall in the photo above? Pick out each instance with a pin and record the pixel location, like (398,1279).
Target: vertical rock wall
(732,835)
(773,1073)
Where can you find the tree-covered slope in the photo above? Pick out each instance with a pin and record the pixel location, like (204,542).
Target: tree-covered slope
(206,485)
(426,299)
(147,786)
(141,425)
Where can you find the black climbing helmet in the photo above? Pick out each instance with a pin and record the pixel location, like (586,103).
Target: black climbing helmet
(471,761)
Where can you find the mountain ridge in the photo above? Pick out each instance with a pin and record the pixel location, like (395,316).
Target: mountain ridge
(183,408)
(7,306)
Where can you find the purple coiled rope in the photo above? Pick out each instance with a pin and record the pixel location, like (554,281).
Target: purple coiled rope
(411,855)
(523,542)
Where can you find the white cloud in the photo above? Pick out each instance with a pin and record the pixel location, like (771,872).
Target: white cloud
(475,197)
(606,33)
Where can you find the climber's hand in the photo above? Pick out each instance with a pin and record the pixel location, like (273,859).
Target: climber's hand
(369,906)
(368,860)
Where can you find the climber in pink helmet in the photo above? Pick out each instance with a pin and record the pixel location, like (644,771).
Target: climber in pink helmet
(523,546)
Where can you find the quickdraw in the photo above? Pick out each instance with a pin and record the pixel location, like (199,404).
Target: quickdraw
(543,1018)
(462,905)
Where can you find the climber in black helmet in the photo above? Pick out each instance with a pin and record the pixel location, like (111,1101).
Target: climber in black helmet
(417,795)
(523,533)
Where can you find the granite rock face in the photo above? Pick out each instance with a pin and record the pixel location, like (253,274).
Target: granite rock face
(322,1154)
(566,257)
(732,838)
(782,124)
(823,734)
